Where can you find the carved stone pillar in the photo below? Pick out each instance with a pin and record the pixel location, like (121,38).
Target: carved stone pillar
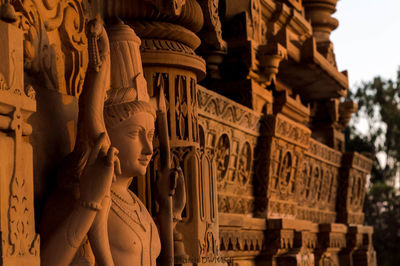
(169,62)
(19,242)
(173,65)
(280,239)
(328,123)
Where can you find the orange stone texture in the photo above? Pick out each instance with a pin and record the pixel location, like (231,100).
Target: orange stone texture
(249,116)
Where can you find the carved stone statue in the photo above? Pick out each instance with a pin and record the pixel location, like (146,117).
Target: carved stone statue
(93,218)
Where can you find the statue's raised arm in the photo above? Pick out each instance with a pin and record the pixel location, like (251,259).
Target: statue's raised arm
(92,161)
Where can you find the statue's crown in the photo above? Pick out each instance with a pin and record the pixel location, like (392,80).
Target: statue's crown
(127,80)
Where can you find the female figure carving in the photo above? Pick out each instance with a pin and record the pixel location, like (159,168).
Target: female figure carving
(104,222)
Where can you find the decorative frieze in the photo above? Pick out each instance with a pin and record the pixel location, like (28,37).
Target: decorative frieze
(214,106)
(284,128)
(324,153)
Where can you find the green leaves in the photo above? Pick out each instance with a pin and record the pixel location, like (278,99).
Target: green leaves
(379,113)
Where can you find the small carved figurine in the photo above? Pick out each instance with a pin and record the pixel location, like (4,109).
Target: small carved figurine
(103,222)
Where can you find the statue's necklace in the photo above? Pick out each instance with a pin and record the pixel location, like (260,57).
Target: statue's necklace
(126,211)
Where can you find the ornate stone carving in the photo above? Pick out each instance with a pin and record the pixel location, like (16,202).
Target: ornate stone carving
(213,46)
(352,188)
(261,190)
(318,183)
(331,240)
(227,111)
(19,242)
(55,43)
(242,242)
(108,213)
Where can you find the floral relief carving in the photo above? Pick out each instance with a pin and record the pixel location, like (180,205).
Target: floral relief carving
(222,154)
(22,239)
(181,107)
(55,43)
(210,103)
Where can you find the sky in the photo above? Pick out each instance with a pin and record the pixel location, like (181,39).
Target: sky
(367,41)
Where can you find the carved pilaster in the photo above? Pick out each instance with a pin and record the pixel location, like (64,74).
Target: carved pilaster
(19,242)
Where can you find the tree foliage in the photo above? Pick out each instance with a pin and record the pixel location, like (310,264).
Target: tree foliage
(379,114)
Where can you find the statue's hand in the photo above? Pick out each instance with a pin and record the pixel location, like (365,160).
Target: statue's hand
(98,42)
(172,184)
(98,174)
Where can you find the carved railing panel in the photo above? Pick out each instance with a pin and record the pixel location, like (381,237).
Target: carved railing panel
(230,134)
(352,187)
(318,183)
(279,156)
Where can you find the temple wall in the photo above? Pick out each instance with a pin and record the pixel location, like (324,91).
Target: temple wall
(255,114)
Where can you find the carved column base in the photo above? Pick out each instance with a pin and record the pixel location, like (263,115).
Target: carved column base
(290,242)
(331,240)
(359,249)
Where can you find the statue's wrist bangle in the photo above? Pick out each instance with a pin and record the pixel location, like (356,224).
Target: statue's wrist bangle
(91,205)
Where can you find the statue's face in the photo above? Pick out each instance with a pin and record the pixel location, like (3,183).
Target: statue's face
(134,140)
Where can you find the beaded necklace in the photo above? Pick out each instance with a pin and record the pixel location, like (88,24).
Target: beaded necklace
(126,211)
